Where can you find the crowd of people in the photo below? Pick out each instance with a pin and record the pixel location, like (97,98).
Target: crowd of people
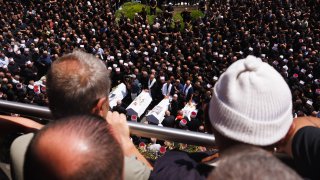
(260,117)
(283,33)
(170,60)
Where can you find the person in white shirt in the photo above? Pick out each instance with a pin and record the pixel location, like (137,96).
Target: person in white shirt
(4,61)
(152,85)
(166,88)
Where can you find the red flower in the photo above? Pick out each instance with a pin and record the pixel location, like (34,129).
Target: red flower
(163,149)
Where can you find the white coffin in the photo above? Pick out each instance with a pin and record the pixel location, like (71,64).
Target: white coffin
(156,115)
(118,93)
(139,104)
(188,109)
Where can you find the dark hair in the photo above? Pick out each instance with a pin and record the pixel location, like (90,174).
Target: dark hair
(105,159)
(249,162)
(75,83)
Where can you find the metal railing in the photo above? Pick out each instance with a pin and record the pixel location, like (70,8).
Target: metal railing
(138,129)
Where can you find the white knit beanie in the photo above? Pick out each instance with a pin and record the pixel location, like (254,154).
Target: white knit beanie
(251,103)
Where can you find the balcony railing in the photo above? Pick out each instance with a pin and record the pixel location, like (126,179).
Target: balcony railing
(138,129)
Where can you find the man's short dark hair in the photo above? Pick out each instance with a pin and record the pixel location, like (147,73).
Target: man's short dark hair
(102,159)
(75,83)
(248,162)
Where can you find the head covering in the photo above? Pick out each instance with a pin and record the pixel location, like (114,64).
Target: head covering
(43,89)
(19,86)
(183,123)
(193,114)
(134,118)
(251,103)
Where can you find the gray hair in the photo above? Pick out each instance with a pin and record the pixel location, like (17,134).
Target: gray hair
(75,83)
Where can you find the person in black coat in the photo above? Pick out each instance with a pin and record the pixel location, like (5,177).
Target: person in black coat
(119,108)
(168,120)
(194,123)
(174,105)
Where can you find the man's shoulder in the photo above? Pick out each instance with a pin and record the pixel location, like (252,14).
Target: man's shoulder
(136,81)
(20,144)
(171,117)
(135,169)
(180,165)
(17,152)
(305,150)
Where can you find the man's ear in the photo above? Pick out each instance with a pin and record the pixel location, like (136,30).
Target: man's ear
(101,107)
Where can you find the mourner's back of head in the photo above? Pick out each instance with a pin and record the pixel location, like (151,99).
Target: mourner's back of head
(77,147)
(75,83)
(249,163)
(251,103)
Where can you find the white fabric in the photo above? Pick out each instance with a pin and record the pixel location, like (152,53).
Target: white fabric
(186,89)
(251,103)
(15,81)
(150,84)
(117,94)
(139,104)
(165,90)
(156,115)
(4,62)
(155,147)
(188,109)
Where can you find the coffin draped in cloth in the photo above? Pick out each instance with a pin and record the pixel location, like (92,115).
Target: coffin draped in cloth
(118,93)
(188,109)
(139,104)
(156,115)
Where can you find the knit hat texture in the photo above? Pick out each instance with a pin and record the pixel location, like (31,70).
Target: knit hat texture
(251,103)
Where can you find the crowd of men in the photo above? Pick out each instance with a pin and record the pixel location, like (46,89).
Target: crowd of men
(283,33)
(170,61)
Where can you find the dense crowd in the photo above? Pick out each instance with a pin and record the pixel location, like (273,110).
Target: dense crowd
(250,103)
(283,33)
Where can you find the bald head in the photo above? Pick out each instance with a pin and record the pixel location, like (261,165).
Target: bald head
(188,82)
(79,147)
